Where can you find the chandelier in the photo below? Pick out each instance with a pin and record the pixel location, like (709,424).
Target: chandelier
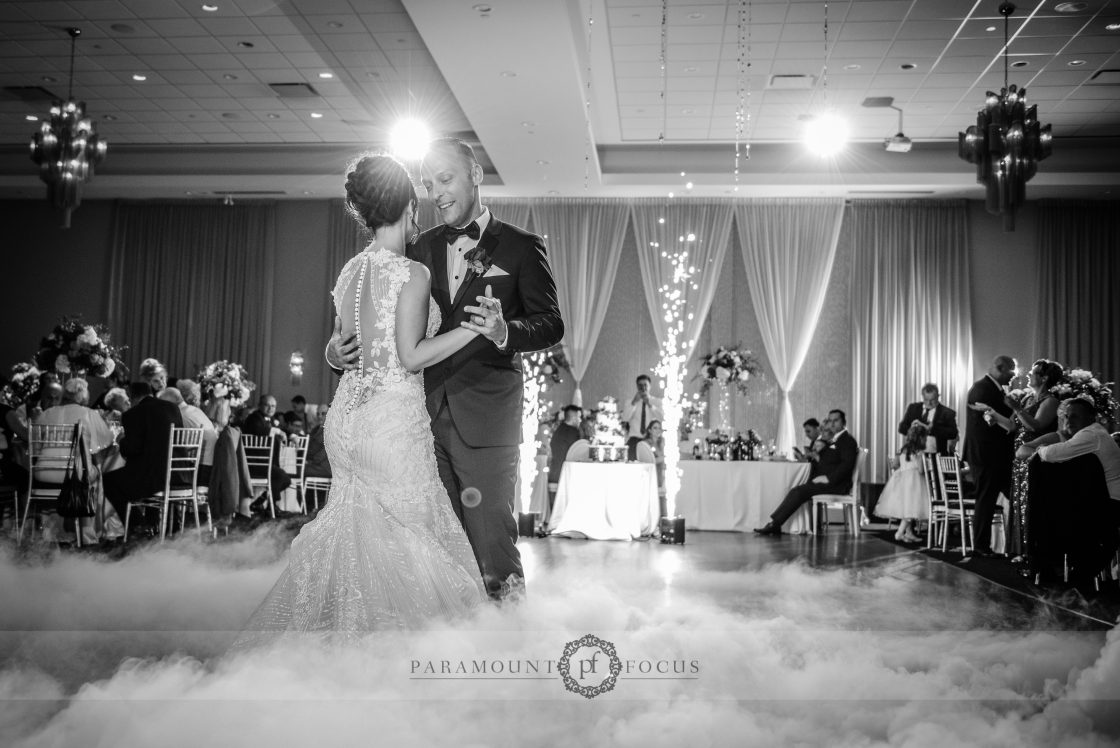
(67,148)
(1006,143)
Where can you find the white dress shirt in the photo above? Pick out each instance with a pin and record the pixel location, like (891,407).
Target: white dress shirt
(654,412)
(194,418)
(456,261)
(1093,439)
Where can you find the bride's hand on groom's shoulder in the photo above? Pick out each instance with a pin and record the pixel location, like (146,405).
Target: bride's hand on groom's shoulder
(343,353)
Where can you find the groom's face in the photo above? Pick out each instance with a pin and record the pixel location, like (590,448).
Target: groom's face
(452,186)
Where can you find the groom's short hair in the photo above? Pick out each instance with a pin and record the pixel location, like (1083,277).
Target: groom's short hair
(461,148)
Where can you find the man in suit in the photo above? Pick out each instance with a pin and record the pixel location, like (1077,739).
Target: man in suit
(147,432)
(495,279)
(988,448)
(831,473)
(812,430)
(643,410)
(262,422)
(941,421)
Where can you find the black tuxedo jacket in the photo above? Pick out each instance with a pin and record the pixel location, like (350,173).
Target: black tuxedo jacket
(483,385)
(837,461)
(943,428)
(147,432)
(987,444)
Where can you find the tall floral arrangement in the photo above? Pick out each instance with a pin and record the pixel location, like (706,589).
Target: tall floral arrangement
(76,349)
(1088,386)
(728,366)
(22,385)
(226,379)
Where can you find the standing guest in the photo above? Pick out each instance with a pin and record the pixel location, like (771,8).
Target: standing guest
(147,433)
(831,473)
(939,420)
(154,373)
(562,439)
(299,413)
(264,422)
(812,430)
(904,497)
(989,448)
(643,408)
(231,491)
(318,466)
(194,418)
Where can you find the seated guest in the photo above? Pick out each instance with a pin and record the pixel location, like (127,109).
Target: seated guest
(655,444)
(194,418)
(147,433)
(299,412)
(831,473)
(116,401)
(565,435)
(318,466)
(294,425)
(1074,492)
(154,373)
(263,422)
(231,491)
(941,421)
(812,430)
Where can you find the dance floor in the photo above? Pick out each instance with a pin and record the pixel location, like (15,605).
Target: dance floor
(730,639)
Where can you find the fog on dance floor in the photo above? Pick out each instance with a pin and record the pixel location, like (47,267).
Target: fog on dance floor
(135,652)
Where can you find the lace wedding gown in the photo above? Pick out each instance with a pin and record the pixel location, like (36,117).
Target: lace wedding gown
(386,551)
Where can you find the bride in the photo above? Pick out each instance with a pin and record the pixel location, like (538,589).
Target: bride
(386,551)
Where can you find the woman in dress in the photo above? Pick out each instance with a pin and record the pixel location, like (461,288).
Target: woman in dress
(655,439)
(1036,415)
(904,497)
(386,551)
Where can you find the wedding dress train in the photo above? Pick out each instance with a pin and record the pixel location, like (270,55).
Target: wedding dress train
(387,550)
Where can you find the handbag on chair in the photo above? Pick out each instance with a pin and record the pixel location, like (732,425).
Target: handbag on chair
(76,496)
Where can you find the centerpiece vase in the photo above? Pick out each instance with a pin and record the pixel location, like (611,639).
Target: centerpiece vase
(723,408)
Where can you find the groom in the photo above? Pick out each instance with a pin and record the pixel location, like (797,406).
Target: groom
(493,278)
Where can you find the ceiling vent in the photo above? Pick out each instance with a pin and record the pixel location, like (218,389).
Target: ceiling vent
(28,93)
(1106,77)
(791,82)
(294,90)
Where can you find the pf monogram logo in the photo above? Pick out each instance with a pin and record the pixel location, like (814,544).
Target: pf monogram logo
(589,666)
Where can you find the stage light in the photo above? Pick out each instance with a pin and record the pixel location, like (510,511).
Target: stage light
(826,134)
(409,139)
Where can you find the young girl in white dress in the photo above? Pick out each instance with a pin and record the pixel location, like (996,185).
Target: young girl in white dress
(904,497)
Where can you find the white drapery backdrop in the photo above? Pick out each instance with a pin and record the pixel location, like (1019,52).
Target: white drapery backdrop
(788,250)
(911,315)
(585,243)
(710,223)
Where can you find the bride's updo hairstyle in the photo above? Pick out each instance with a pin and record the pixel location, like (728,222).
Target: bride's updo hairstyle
(378,190)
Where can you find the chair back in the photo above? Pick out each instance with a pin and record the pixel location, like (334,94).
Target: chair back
(258,454)
(930,470)
(580,451)
(299,444)
(50,453)
(949,482)
(184,452)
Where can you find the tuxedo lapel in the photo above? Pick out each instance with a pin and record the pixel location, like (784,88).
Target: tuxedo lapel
(488,242)
(440,292)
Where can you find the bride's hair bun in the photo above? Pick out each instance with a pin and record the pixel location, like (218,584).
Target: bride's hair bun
(378,190)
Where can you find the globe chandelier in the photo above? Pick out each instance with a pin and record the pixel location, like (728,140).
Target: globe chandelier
(1006,143)
(66,148)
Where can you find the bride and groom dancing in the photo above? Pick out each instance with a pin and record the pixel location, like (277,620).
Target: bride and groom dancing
(419,523)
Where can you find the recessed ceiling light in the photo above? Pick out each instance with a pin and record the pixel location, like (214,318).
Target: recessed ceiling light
(907,66)
(1075,63)
(1019,64)
(31,118)
(508,74)
(138,77)
(682,173)
(209,8)
(688,185)
(542,162)
(1112,27)
(528,124)
(246,45)
(326,76)
(990,29)
(109,117)
(316,115)
(49,79)
(373,74)
(308,192)
(229,115)
(686,110)
(1071,7)
(230,77)
(852,66)
(691,69)
(335,24)
(554,192)
(272,115)
(695,16)
(482,8)
(122,28)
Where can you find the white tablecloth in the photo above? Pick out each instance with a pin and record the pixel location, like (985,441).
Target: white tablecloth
(606,501)
(738,496)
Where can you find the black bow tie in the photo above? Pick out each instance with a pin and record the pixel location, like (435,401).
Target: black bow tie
(470,230)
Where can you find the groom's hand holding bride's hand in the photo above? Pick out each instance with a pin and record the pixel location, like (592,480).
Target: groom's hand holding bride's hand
(343,354)
(486,318)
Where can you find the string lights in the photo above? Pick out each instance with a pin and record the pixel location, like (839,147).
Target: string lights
(743,91)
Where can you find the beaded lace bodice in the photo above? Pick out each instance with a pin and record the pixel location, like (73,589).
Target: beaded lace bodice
(365,298)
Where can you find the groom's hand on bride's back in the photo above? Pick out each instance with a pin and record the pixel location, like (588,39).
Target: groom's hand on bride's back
(343,353)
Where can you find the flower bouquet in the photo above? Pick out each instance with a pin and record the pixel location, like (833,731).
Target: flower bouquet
(1087,386)
(74,349)
(609,443)
(225,379)
(725,366)
(22,385)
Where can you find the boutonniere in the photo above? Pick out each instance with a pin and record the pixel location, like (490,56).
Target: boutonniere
(478,260)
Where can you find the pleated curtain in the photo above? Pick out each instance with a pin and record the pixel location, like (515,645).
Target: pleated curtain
(911,316)
(710,223)
(584,246)
(192,284)
(1078,309)
(788,250)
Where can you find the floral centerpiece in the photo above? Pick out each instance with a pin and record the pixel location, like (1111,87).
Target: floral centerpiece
(726,366)
(1084,384)
(75,349)
(22,385)
(609,442)
(226,379)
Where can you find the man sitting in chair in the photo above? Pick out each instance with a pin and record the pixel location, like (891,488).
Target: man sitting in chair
(831,473)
